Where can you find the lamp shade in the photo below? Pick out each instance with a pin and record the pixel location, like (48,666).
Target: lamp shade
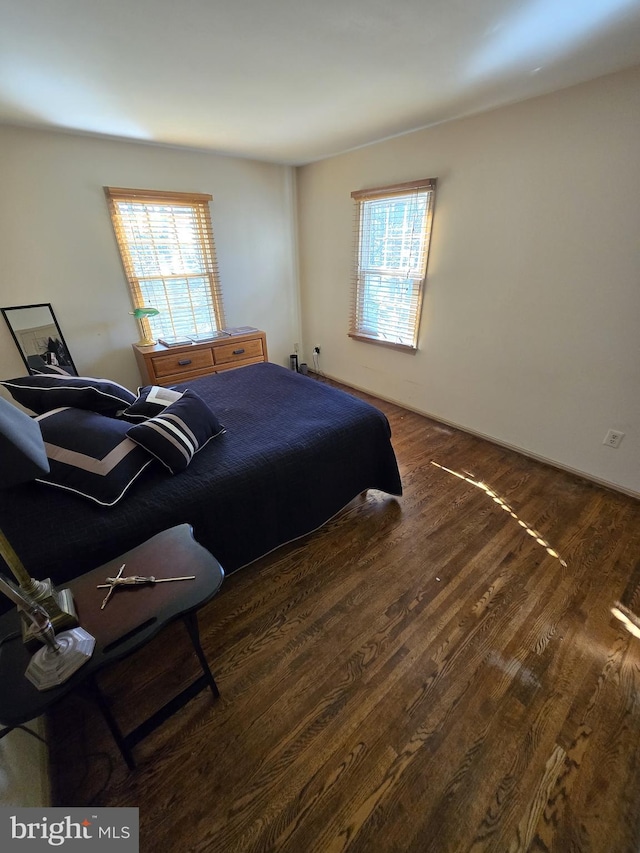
(139,313)
(22,452)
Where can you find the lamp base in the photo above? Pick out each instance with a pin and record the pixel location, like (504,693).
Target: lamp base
(50,667)
(59,606)
(146,342)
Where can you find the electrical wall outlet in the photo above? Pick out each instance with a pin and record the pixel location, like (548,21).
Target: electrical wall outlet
(613,438)
(316,350)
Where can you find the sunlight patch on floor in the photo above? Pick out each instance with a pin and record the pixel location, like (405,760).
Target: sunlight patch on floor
(505,506)
(628,618)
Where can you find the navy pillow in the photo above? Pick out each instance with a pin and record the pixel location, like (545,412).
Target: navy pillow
(47,392)
(89,454)
(176,435)
(152,400)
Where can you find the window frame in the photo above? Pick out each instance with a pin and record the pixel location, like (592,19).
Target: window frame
(199,202)
(426,186)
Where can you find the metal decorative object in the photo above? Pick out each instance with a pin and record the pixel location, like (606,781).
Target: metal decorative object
(62,655)
(133,580)
(53,665)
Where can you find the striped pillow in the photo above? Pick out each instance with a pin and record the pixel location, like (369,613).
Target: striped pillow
(43,393)
(151,400)
(90,455)
(179,432)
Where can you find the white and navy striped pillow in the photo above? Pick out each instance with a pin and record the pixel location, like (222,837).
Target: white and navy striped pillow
(152,400)
(45,392)
(179,432)
(90,455)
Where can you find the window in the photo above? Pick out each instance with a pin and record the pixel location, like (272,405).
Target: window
(392,235)
(166,243)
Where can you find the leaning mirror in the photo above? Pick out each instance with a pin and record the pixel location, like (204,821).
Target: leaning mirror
(39,339)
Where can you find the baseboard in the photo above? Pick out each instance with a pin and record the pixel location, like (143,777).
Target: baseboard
(529,454)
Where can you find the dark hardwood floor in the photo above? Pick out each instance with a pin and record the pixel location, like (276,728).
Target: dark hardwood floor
(439,672)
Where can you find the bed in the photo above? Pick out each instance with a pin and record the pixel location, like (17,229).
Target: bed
(294,452)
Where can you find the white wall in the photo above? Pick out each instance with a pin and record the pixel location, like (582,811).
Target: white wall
(530,332)
(57,243)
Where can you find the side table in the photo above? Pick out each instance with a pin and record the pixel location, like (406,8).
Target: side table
(131,618)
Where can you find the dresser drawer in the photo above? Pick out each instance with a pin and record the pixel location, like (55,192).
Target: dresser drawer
(182,362)
(160,365)
(239,351)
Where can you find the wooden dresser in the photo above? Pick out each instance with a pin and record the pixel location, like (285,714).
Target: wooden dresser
(160,365)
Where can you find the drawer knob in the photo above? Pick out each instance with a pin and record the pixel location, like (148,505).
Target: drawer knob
(238,351)
(184,361)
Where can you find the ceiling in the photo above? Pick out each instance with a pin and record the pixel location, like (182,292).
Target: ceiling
(293,81)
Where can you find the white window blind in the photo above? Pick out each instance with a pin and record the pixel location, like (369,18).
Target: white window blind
(392,236)
(167,249)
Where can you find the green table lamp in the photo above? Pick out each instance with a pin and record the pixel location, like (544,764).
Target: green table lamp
(141,315)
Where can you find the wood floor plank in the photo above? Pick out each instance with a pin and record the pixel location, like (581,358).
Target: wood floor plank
(438,672)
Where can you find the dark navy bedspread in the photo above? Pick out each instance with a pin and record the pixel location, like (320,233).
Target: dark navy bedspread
(295,451)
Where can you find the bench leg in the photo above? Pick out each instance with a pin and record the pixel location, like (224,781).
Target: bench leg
(191,622)
(110,720)
(123,742)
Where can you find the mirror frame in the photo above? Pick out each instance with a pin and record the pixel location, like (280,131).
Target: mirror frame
(6,313)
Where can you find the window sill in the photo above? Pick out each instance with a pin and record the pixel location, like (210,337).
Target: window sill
(390,344)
